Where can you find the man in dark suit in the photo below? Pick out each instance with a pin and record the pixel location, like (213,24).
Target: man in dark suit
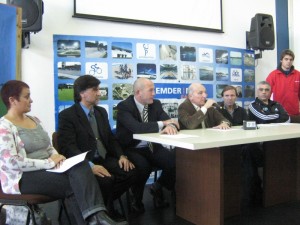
(145,156)
(114,172)
(199,112)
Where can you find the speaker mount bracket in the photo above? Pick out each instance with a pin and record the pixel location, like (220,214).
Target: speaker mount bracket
(258,55)
(25,39)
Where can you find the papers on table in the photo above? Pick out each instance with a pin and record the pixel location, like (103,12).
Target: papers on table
(68,163)
(181,136)
(176,136)
(227,130)
(274,124)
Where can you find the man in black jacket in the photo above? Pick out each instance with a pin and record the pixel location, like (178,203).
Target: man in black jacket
(77,134)
(264,110)
(229,109)
(131,120)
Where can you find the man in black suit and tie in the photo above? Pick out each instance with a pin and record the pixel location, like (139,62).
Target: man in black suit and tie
(141,113)
(85,127)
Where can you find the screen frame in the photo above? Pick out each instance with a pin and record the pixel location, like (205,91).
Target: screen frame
(162,23)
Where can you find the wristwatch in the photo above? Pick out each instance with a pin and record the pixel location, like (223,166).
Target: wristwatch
(226,122)
(173,125)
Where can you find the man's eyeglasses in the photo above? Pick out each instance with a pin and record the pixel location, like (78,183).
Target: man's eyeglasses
(264,89)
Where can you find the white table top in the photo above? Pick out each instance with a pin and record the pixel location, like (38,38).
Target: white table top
(210,138)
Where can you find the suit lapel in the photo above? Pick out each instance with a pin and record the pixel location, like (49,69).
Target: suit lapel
(151,112)
(83,120)
(136,110)
(100,125)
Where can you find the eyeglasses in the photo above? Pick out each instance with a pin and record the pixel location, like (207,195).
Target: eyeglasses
(264,89)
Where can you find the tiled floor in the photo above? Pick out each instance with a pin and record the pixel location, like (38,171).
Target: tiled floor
(284,214)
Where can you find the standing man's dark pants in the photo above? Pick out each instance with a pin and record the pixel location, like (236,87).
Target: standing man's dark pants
(252,159)
(144,160)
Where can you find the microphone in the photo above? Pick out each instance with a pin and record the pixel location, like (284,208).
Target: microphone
(216,106)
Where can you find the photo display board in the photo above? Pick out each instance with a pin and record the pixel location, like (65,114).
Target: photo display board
(172,66)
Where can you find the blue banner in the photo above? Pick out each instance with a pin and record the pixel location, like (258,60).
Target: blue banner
(172,66)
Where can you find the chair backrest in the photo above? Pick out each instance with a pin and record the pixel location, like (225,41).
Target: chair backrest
(54,140)
(1,192)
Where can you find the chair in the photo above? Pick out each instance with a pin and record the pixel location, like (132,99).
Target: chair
(27,200)
(295,119)
(155,170)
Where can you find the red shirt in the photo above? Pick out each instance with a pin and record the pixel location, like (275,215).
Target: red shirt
(286,89)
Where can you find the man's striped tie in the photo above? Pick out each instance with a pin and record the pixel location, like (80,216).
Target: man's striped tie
(145,120)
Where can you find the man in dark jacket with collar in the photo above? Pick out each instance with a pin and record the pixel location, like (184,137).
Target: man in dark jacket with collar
(131,120)
(199,112)
(77,133)
(229,109)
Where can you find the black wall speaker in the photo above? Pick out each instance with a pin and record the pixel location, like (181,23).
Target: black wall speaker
(32,14)
(261,35)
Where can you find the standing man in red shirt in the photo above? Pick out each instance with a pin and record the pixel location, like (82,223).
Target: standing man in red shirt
(285,84)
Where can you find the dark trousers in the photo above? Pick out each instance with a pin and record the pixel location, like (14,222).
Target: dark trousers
(144,160)
(77,185)
(252,159)
(120,181)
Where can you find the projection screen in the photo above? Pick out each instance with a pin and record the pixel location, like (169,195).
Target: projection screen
(188,14)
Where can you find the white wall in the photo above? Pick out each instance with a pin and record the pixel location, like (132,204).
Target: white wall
(294,31)
(37,61)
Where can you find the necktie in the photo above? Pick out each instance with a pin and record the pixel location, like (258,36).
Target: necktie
(101,151)
(202,123)
(145,120)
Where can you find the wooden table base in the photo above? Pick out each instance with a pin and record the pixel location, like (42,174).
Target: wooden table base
(208,185)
